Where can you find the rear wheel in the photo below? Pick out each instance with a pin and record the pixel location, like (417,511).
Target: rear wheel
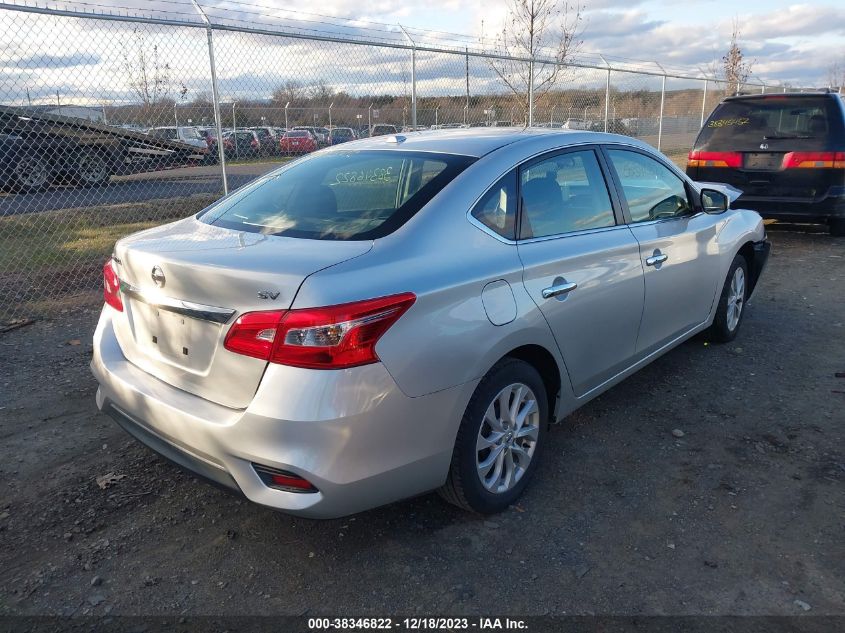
(31,173)
(731,307)
(92,169)
(837,227)
(499,439)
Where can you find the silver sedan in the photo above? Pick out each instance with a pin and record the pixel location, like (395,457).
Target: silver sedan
(409,313)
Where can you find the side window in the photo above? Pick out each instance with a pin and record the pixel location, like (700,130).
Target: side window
(562,194)
(651,189)
(497,209)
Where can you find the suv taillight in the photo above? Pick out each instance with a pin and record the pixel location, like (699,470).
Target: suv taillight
(333,337)
(111,286)
(795,160)
(714,159)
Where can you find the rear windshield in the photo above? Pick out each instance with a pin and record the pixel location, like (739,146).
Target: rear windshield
(339,196)
(302,134)
(748,123)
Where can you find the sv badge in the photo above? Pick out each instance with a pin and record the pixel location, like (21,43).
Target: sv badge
(268,294)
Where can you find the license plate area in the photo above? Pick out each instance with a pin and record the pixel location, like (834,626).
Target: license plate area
(763,161)
(174,338)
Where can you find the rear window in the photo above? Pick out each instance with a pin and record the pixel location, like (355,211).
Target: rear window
(297,134)
(339,196)
(744,124)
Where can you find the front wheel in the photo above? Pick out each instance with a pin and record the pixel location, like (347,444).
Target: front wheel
(499,439)
(731,306)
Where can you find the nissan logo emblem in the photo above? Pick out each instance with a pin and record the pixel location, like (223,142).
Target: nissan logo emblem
(158,276)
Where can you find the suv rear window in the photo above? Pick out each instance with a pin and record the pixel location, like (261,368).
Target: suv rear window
(339,196)
(746,123)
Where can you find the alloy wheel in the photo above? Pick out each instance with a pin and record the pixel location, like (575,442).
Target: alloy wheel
(507,438)
(736,298)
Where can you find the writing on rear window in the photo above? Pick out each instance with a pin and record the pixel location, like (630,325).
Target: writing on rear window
(728,122)
(379,174)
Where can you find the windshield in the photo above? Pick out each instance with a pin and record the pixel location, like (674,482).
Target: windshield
(339,196)
(741,123)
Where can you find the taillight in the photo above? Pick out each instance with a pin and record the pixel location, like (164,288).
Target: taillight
(714,159)
(111,286)
(254,143)
(333,337)
(804,160)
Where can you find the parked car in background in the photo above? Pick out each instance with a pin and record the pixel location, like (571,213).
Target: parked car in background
(318,134)
(575,124)
(244,144)
(785,152)
(381,129)
(614,126)
(297,142)
(388,318)
(184,134)
(268,140)
(341,135)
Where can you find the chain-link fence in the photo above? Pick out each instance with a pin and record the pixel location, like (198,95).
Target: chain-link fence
(112,124)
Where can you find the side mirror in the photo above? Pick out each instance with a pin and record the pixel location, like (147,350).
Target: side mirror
(714,201)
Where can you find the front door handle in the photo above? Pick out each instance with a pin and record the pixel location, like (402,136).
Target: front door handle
(656,259)
(558,289)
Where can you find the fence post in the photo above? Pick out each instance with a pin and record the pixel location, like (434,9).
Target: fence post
(287,127)
(660,120)
(215,97)
(531,92)
(606,94)
(370,119)
(704,102)
(413,78)
(331,105)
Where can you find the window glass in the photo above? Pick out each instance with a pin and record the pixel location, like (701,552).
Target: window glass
(339,196)
(651,189)
(497,209)
(563,194)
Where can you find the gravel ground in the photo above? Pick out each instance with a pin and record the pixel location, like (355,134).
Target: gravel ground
(742,514)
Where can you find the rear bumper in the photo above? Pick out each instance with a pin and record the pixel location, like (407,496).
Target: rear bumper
(795,209)
(352,433)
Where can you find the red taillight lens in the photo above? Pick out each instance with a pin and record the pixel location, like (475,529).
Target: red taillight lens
(804,160)
(334,337)
(254,143)
(714,159)
(111,286)
(254,334)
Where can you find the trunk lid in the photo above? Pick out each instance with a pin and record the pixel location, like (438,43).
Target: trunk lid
(174,326)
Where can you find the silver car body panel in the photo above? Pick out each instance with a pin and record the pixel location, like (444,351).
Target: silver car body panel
(373,434)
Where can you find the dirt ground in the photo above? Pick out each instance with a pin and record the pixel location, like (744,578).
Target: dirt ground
(743,514)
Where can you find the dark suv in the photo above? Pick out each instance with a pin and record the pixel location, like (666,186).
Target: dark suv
(785,152)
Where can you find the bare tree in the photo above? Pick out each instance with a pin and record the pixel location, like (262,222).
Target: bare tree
(147,75)
(735,67)
(532,29)
(291,91)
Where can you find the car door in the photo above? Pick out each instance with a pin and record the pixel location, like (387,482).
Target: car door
(581,264)
(678,245)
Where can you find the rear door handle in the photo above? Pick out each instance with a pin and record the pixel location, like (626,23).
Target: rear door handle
(656,259)
(558,289)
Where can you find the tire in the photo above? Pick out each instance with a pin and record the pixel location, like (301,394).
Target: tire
(92,169)
(30,173)
(837,227)
(464,487)
(727,322)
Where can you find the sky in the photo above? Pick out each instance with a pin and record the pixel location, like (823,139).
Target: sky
(82,59)
(788,41)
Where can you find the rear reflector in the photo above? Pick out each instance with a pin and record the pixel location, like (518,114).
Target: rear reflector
(714,159)
(111,286)
(283,480)
(810,160)
(334,337)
